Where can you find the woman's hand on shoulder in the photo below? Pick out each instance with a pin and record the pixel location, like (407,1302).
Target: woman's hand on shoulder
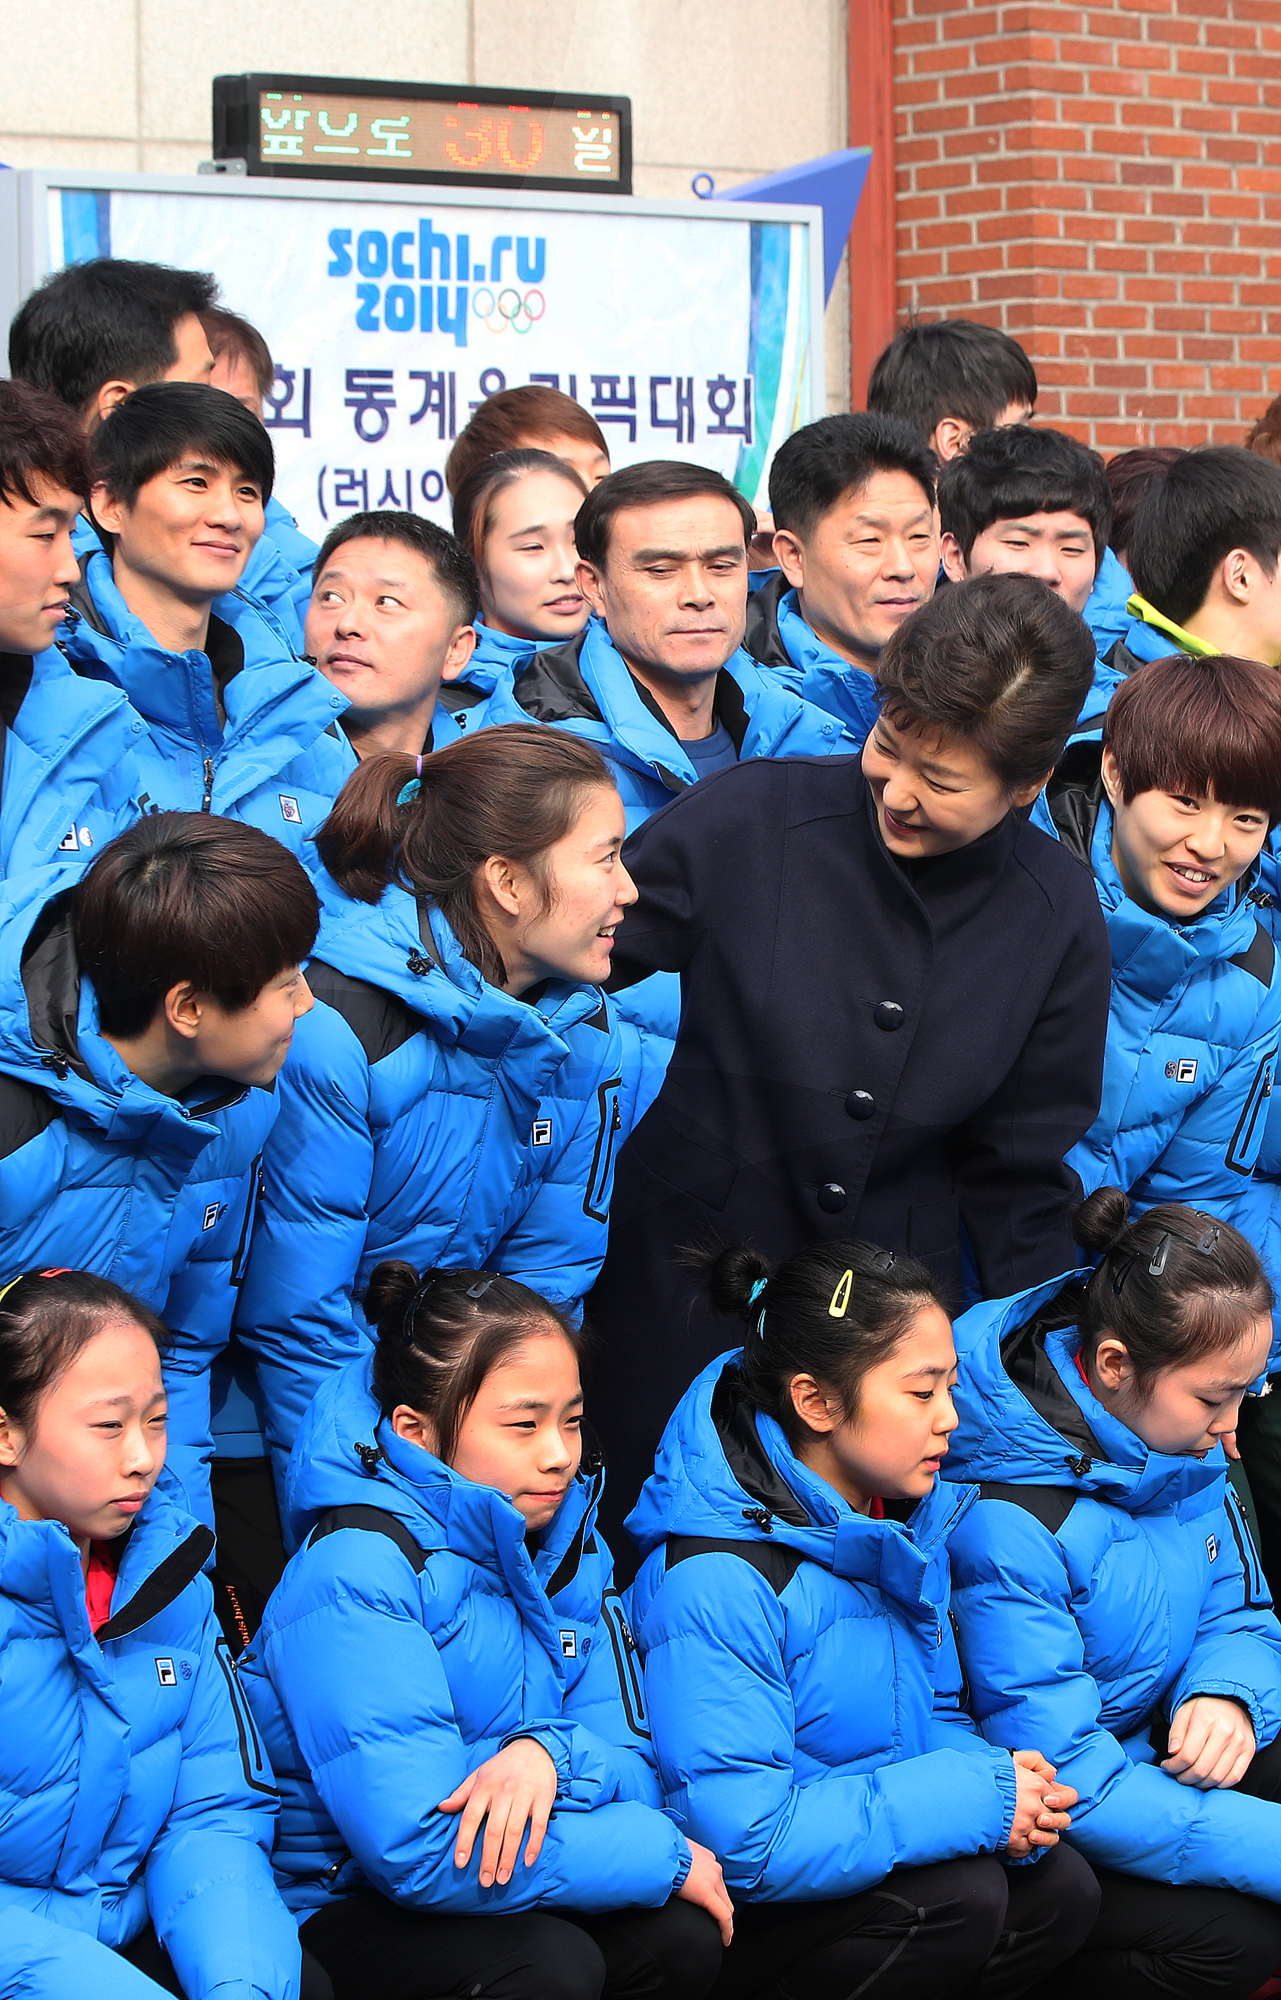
(705,1887)
(510,1791)
(1211,1742)
(1040,1805)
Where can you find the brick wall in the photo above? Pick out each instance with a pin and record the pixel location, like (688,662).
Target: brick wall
(1104,182)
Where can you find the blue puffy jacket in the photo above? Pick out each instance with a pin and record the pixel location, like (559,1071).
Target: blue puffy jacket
(278,761)
(278,573)
(428,1115)
(133,1784)
(585,686)
(1193,1027)
(800,1668)
(1097,1586)
(778,637)
(68,781)
(100,1172)
(1107,611)
(412,1636)
(482,695)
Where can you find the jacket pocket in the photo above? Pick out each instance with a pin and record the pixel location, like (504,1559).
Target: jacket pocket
(1242,1148)
(630,1685)
(600,1181)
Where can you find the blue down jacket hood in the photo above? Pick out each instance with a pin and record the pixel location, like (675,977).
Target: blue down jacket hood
(779,638)
(414,1634)
(428,1115)
(274,763)
(585,686)
(1193,1027)
(133,1785)
(100,1172)
(800,1667)
(1099,1585)
(68,781)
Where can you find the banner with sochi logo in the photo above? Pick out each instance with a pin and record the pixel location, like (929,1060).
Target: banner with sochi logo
(689,330)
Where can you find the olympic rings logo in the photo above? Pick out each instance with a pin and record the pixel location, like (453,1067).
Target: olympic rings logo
(508,309)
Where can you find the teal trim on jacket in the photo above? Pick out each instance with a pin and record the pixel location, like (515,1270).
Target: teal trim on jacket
(378,1683)
(1084,1639)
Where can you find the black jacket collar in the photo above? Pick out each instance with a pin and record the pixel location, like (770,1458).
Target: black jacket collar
(1033,1373)
(734,1418)
(762,638)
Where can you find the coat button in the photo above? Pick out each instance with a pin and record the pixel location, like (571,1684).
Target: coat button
(832,1198)
(860,1104)
(888,1014)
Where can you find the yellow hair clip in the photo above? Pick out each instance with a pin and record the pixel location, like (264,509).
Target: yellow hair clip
(841,1297)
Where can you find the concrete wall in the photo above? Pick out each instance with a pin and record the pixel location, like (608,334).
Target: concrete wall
(732,87)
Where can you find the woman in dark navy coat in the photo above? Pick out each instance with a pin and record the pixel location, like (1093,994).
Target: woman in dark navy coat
(894,1000)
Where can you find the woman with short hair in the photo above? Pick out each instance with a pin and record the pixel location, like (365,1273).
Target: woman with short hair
(894,997)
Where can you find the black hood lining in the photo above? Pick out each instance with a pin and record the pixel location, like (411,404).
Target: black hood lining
(165,1583)
(735,1420)
(16,671)
(1075,797)
(1033,1373)
(762,639)
(551,687)
(51,983)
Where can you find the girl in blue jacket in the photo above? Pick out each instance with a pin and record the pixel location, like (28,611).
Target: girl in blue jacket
(462,1088)
(800,1666)
(138,1807)
(1110,1604)
(446,1681)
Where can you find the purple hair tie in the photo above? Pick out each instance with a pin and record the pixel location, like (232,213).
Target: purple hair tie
(418,766)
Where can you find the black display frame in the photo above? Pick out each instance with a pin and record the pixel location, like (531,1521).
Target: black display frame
(235,131)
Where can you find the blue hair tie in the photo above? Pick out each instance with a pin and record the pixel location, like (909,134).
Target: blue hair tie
(756,1290)
(408,793)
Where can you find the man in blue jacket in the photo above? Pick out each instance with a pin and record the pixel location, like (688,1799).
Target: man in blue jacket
(94,332)
(856,538)
(1032,501)
(66,745)
(146,1006)
(390,623)
(659,680)
(236,723)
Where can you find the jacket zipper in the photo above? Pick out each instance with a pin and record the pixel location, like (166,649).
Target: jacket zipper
(206,804)
(596,1198)
(629,1682)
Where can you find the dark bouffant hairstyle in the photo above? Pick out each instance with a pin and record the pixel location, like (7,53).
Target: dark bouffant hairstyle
(650,484)
(794,1326)
(1006,474)
(1129,476)
(1175,1286)
(451,565)
(474,500)
(517,417)
(1209,723)
(104,321)
(440,1333)
(951,368)
(817,466)
(40,439)
(1000,661)
(1212,500)
(156,426)
(46,1318)
(515,790)
(189,896)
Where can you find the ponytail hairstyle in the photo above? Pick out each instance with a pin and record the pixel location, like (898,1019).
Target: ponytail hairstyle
(478,490)
(1175,1286)
(833,1311)
(46,1318)
(440,1333)
(431,823)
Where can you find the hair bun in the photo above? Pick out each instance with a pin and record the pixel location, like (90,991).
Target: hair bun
(1102,1221)
(731,1276)
(391,1287)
